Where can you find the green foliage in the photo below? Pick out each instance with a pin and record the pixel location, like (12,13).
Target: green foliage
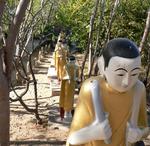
(75,15)
(130,19)
(36,6)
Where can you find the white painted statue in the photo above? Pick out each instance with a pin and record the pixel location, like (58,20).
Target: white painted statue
(112,107)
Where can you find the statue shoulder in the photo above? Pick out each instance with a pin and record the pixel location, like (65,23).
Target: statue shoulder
(86,84)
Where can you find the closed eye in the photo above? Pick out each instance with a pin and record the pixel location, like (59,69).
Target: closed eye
(120,74)
(134,74)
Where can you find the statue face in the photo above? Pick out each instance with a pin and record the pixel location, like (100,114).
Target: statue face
(72,62)
(122,73)
(64,45)
(59,44)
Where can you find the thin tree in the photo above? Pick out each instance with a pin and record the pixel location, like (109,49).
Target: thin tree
(6,69)
(142,50)
(89,45)
(26,55)
(146,32)
(142,43)
(98,43)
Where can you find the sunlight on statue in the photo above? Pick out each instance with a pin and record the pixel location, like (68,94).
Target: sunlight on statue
(112,107)
(60,53)
(67,92)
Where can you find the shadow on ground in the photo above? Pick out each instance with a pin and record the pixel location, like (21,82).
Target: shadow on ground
(37,143)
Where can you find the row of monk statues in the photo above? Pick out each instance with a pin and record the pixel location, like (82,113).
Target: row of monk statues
(111,107)
(67,74)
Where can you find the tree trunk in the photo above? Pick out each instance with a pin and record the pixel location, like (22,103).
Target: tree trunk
(91,33)
(4,107)
(14,29)
(146,32)
(5,73)
(4,98)
(2,3)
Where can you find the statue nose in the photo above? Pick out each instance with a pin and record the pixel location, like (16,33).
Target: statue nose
(126,81)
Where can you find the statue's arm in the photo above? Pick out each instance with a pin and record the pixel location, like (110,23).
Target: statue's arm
(143,119)
(82,116)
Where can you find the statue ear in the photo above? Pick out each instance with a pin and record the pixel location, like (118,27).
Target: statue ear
(101,65)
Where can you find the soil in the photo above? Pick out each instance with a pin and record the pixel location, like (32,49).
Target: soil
(24,130)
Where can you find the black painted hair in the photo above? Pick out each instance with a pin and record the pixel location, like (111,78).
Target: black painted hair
(121,47)
(71,58)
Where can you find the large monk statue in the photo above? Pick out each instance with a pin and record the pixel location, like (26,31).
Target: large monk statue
(68,83)
(111,110)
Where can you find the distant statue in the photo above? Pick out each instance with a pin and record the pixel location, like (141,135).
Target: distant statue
(61,38)
(55,54)
(61,53)
(68,83)
(112,107)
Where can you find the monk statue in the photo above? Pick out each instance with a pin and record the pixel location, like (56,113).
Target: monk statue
(57,52)
(112,106)
(68,84)
(61,53)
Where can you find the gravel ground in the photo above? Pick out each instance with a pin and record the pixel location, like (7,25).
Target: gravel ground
(23,128)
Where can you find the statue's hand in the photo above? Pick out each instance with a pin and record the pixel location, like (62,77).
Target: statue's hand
(105,130)
(95,131)
(133,134)
(66,77)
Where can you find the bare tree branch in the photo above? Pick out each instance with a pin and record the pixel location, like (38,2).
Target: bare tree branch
(89,45)
(146,32)
(101,17)
(14,29)
(112,14)
(91,33)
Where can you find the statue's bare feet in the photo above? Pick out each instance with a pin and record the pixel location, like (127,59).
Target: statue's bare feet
(68,117)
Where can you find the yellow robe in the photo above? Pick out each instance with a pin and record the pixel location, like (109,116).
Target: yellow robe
(68,88)
(118,105)
(55,55)
(61,56)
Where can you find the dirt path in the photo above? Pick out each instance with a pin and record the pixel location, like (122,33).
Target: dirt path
(23,128)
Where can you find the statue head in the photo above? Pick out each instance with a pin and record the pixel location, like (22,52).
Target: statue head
(71,59)
(122,64)
(64,44)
